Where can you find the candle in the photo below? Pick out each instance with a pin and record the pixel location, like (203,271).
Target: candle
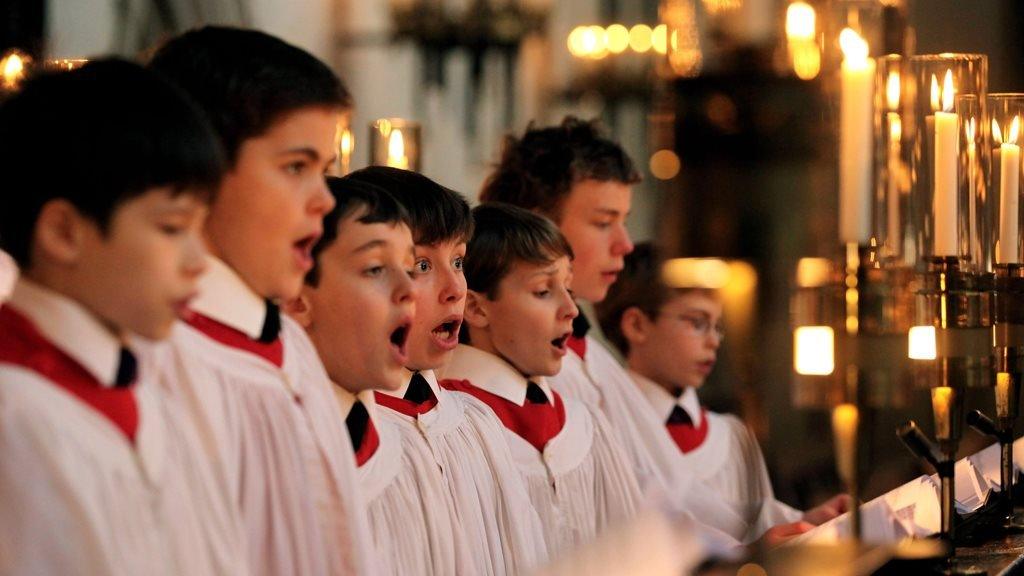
(1009,181)
(856,131)
(946,150)
(396,151)
(845,419)
(942,400)
(345,146)
(970,130)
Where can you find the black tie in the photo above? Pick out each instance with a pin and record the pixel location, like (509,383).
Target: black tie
(580,326)
(127,369)
(271,324)
(534,394)
(679,416)
(356,422)
(419,390)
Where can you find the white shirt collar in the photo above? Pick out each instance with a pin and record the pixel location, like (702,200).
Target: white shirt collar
(226,298)
(71,327)
(346,400)
(664,401)
(492,374)
(407,375)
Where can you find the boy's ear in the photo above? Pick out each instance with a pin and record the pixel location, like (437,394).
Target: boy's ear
(476,310)
(300,309)
(635,325)
(60,232)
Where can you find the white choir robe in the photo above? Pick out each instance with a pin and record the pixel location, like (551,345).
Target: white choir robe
(582,482)
(602,383)
(414,529)
(275,429)
(489,496)
(77,494)
(728,461)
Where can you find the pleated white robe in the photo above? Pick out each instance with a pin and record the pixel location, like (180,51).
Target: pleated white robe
(581,483)
(489,497)
(729,461)
(77,495)
(602,383)
(277,433)
(414,530)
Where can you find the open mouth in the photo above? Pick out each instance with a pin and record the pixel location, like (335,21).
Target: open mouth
(446,334)
(561,342)
(304,250)
(399,337)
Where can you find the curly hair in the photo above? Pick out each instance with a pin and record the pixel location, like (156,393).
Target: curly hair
(538,170)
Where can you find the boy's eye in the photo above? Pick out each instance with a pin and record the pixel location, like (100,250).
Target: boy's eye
(542,293)
(374,271)
(172,229)
(422,266)
(458,263)
(602,225)
(295,168)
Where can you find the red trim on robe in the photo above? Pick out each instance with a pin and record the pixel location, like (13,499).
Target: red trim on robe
(403,406)
(687,437)
(21,344)
(578,345)
(371,441)
(272,352)
(535,423)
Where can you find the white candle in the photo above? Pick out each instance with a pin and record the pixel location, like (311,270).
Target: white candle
(947,145)
(856,143)
(845,419)
(1009,184)
(893,184)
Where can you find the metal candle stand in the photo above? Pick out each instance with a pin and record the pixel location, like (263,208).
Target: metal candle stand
(957,304)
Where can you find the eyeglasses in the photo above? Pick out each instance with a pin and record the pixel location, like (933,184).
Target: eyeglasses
(698,325)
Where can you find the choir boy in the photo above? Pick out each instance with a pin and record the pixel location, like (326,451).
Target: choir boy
(465,437)
(583,181)
(670,338)
(518,320)
(357,306)
(107,170)
(268,414)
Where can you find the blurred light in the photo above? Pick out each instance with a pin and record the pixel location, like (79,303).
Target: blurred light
(664,164)
(813,272)
(708,273)
(13,66)
(600,49)
(717,6)
(640,38)
(618,38)
(921,343)
(751,570)
(892,90)
(806,60)
(659,39)
(800,21)
(814,350)
(854,46)
(742,278)
(577,43)
(347,142)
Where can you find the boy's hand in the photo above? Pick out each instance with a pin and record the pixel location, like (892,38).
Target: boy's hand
(780,533)
(838,504)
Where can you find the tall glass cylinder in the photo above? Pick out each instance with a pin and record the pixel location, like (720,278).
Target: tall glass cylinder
(1005,112)
(865,17)
(395,142)
(892,179)
(942,167)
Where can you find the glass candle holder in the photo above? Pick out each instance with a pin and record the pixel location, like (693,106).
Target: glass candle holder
(940,161)
(395,142)
(1005,112)
(892,173)
(865,17)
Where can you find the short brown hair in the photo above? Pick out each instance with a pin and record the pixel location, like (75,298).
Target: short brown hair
(640,285)
(538,171)
(503,236)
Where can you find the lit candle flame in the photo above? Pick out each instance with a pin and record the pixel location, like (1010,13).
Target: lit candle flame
(892,90)
(1014,130)
(935,93)
(347,142)
(396,150)
(947,92)
(895,129)
(854,47)
(800,23)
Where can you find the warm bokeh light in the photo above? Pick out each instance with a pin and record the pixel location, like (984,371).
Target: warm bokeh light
(921,343)
(659,39)
(347,142)
(806,60)
(640,38)
(618,38)
(892,90)
(665,164)
(710,273)
(948,91)
(396,151)
(853,45)
(13,66)
(813,272)
(800,21)
(814,350)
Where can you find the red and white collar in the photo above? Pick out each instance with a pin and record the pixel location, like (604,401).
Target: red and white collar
(225,297)
(664,401)
(493,374)
(70,327)
(407,375)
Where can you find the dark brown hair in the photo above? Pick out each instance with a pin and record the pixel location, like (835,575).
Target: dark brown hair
(537,171)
